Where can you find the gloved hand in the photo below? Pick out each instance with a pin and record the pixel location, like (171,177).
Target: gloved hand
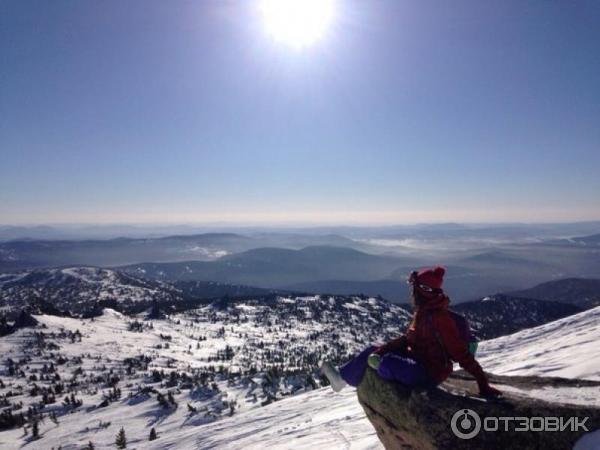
(374,360)
(489,391)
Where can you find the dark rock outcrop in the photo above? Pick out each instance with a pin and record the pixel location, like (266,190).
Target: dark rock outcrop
(421,419)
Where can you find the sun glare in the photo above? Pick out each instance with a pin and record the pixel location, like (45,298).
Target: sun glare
(298,23)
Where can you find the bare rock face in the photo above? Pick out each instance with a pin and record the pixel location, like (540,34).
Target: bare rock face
(421,419)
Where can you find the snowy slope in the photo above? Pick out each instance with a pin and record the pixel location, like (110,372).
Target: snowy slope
(569,348)
(78,289)
(226,409)
(227,358)
(319,419)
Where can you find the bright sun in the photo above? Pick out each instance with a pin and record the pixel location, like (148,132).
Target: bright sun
(298,23)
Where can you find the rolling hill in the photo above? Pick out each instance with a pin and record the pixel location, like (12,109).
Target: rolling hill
(29,253)
(499,315)
(80,289)
(582,292)
(279,268)
(26,254)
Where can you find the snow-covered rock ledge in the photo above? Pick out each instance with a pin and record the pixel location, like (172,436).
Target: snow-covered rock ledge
(421,419)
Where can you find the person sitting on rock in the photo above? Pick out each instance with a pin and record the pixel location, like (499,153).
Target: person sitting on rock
(424,355)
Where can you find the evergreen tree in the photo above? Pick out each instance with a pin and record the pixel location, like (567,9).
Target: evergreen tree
(35,429)
(153,435)
(89,446)
(121,439)
(191,409)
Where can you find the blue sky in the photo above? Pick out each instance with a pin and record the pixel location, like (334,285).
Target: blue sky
(423,111)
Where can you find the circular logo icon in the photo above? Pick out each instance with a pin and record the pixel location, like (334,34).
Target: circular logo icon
(465,424)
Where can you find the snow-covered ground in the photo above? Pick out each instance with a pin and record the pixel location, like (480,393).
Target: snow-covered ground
(569,348)
(221,360)
(79,288)
(225,411)
(319,419)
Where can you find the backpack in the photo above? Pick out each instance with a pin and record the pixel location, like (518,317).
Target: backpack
(464,331)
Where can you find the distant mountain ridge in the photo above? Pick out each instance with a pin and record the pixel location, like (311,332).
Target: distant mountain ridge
(30,253)
(86,290)
(277,267)
(500,315)
(80,289)
(582,292)
(26,254)
(480,259)
(592,240)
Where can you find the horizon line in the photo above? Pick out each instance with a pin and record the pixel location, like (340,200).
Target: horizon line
(306,224)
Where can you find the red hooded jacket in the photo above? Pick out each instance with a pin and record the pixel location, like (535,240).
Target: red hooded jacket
(433,340)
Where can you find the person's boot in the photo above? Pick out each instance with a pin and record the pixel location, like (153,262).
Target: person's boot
(333,375)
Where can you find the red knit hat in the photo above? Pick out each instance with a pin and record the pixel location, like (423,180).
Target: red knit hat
(431,276)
